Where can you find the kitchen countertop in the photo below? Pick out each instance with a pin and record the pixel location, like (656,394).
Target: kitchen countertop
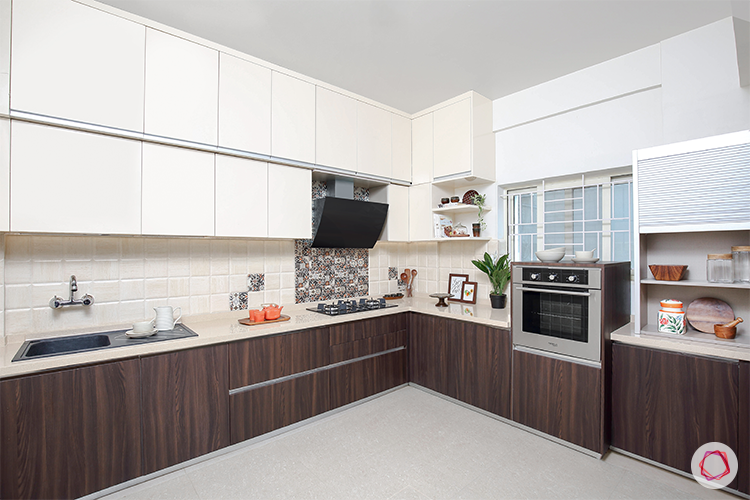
(223,327)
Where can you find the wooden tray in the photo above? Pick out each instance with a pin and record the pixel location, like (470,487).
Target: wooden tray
(704,313)
(249,322)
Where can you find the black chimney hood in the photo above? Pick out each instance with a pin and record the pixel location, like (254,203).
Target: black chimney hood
(346,223)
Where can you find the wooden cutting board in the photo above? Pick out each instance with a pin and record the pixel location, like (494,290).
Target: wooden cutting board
(703,313)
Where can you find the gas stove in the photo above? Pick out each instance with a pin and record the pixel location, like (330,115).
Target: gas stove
(350,306)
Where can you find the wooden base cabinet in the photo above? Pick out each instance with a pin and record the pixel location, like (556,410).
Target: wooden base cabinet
(559,398)
(665,405)
(185,405)
(463,360)
(70,433)
(361,379)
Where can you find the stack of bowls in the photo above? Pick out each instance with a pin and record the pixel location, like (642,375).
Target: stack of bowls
(551,255)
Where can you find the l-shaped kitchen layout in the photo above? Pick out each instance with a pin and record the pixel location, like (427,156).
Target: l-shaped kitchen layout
(202,250)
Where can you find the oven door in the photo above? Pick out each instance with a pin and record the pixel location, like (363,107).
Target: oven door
(558,320)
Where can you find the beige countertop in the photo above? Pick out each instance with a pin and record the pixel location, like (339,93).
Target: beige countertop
(224,327)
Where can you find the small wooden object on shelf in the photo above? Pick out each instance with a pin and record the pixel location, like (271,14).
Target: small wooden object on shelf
(667,272)
(250,322)
(727,331)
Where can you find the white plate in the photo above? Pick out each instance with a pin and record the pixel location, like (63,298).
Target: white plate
(592,260)
(140,335)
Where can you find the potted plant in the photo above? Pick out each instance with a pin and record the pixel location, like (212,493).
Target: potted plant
(498,271)
(479,200)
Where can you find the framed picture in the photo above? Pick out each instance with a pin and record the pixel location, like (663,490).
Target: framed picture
(455,285)
(469,292)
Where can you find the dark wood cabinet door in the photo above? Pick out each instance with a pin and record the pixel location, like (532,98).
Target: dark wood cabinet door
(665,405)
(360,379)
(70,433)
(357,330)
(267,358)
(480,366)
(368,346)
(428,353)
(270,407)
(185,405)
(559,398)
(743,451)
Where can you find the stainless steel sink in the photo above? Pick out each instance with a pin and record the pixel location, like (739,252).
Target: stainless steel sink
(35,349)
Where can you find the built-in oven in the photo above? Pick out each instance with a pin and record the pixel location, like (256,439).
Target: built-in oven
(558,310)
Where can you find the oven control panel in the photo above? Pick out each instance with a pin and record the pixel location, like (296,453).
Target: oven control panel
(560,275)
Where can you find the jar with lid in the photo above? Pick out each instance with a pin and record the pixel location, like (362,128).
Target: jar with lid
(719,268)
(741,257)
(671,317)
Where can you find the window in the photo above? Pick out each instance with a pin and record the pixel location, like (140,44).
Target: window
(583,217)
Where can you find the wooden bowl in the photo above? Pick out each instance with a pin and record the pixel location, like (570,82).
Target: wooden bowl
(667,273)
(725,332)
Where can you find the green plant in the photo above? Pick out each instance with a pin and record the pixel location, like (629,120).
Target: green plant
(497,270)
(479,200)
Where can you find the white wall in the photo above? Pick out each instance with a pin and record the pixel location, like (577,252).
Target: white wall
(593,119)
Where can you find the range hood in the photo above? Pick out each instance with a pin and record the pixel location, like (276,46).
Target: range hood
(343,222)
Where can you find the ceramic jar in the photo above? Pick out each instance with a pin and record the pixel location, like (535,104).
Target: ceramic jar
(671,317)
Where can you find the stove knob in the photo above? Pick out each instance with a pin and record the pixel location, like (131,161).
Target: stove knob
(573,279)
(535,277)
(552,276)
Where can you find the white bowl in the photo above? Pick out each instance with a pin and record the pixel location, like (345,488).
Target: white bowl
(584,254)
(554,255)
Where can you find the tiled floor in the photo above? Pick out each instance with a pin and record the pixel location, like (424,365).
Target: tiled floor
(409,444)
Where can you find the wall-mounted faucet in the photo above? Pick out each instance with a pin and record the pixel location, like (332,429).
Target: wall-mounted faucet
(58,302)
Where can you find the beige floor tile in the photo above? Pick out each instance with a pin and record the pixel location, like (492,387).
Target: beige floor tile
(174,486)
(409,493)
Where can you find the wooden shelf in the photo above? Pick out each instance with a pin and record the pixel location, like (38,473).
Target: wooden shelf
(459,207)
(739,285)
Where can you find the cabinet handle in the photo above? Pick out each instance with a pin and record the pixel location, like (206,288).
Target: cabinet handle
(559,292)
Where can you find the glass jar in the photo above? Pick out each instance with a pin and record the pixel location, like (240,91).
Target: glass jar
(719,268)
(671,317)
(741,259)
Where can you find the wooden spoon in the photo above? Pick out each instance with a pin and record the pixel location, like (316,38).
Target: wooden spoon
(404,277)
(413,275)
(407,271)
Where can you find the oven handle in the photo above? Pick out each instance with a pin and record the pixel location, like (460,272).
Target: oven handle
(559,292)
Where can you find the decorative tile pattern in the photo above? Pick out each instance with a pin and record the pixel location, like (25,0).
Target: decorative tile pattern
(361,193)
(392,273)
(237,301)
(256,282)
(319,189)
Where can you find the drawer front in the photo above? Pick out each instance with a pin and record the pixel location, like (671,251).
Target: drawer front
(258,360)
(358,380)
(365,347)
(274,406)
(358,330)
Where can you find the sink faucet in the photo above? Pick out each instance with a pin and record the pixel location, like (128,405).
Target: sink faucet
(57,302)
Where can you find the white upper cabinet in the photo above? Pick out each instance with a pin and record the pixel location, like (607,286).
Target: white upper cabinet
(182,88)
(289,202)
(5,7)
(4,175)
(397,223)
(335,130)
(452,130)
(178,191)
(292,118)
(76,62)
(74,182)
(244,105)
(401,148)
(373,140)
(420,212)
(241,197)
(422,148)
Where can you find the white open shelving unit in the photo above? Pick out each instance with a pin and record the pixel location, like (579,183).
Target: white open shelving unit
(684,211)
(460,209)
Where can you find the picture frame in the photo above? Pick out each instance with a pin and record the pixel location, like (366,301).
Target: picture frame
(455,286)
(469,292)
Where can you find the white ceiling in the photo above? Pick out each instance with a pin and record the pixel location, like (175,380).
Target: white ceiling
(411,54)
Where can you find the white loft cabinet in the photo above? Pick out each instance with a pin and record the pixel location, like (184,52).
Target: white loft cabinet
(289,202)
(373,141)
(690,199)
(5,9)
(182,89)
(335,130)
(422,148)
(400,148)
(178,191)
(292,118)
(463,145)
(76,62)
(65,181)
(241,197)
(244,105)
(397,223)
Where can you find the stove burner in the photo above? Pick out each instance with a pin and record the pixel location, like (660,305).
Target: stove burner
(350,306)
